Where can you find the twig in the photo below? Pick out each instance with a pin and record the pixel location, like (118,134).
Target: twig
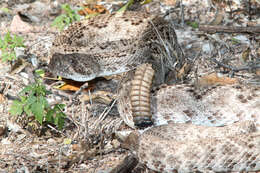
(182,13)
(56,130)
(218,40)
(235,69)
(77,93)
(229,29)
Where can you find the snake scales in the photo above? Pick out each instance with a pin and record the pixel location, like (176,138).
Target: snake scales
(110,44)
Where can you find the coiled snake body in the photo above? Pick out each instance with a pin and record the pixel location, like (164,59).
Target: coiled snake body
(110,44)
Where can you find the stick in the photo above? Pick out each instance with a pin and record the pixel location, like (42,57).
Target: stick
(229,29)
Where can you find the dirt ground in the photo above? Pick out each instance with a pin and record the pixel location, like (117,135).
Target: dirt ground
(89,141)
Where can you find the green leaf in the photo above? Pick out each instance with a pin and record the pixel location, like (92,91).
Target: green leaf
(65,19)
(27,110)
(23,99)
(193,24)
(1,43)
(44,102)
(30,100)
(28,89)
(60,116)
(12,56)
(5,56)
(59,120)
(18,41)
(16,108)
(7,38)
(38,111)
(49,116)
(235,41)
(77,17)
(34,103)
(40,72)
(4,9)
(124,8)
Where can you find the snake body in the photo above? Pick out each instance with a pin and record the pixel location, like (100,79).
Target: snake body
(187,142)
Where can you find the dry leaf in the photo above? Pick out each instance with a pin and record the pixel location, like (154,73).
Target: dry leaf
(184,71)
(2,98)
(69,87)
(215,79)
(92,9)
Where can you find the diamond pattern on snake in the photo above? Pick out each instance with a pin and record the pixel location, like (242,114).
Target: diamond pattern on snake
(217,132)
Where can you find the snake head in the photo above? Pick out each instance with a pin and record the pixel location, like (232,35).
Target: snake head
(75,66)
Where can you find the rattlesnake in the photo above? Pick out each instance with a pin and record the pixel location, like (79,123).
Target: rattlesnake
(220,134)
(111,44)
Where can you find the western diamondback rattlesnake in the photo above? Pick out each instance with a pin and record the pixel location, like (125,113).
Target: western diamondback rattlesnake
(111,44)
(220,134)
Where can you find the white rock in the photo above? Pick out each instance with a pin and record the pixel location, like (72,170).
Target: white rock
(19,51)
(207,47)
(18,25)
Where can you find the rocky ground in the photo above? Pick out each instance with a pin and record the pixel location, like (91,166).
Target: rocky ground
(89,141)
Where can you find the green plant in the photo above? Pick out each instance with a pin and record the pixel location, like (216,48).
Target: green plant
(193,24)
(65,19)
(235,41)
(7,45)
(32,101)
(5,10)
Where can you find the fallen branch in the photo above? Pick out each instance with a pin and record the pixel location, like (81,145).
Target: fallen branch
(229,29)
(235,69)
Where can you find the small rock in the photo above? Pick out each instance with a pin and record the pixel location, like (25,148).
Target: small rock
(207,47)
(18,25)
(13,126)
(25,75)
(34,60)
(51,141)
(122,135)
(19,51)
